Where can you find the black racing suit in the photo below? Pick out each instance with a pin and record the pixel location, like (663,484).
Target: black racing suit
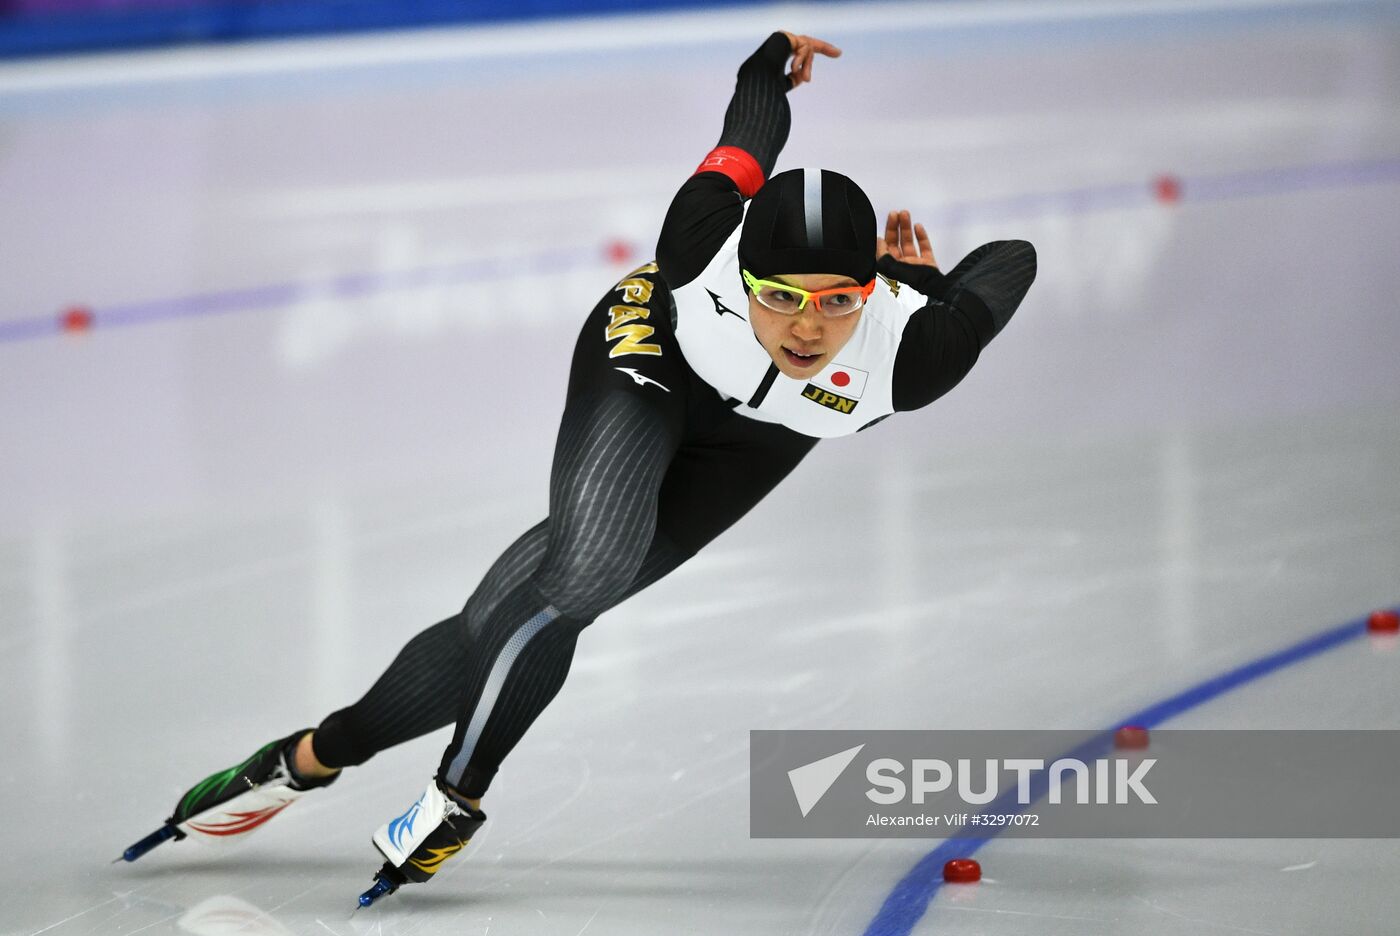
(651,464)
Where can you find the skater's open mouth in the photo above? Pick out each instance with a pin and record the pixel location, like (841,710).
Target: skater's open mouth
(801,360)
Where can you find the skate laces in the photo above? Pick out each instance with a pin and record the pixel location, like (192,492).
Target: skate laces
(283,773)
(453,806)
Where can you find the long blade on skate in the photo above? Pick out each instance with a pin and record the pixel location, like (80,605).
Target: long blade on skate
(380,888)
(386,880)
(163,834)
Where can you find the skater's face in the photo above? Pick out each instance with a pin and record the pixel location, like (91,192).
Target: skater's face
(803,343)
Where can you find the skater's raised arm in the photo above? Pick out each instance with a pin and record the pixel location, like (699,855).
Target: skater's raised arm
(710,204)
(967,308)
(758,118)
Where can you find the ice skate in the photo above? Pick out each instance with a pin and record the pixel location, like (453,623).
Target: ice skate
(234,802)
(416,844)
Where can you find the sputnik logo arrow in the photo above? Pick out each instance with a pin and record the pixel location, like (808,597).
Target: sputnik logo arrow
(811,781)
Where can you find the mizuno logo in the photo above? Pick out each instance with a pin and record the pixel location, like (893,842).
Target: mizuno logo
(641,379)
(721,308)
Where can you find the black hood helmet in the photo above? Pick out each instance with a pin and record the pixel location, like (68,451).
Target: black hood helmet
(809,221)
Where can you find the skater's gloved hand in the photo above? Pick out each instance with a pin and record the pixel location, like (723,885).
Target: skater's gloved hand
(905,254)
(804,48)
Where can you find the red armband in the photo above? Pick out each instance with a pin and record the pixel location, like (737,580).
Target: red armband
(742,168)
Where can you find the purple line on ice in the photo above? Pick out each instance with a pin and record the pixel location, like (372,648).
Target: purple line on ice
(1245,184)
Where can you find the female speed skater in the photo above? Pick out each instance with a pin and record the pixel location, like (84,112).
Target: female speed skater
(772,317)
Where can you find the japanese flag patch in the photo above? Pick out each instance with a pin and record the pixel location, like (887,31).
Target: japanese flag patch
(837,388)
(845,381)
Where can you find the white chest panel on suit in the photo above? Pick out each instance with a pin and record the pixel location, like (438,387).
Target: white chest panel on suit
(852,391)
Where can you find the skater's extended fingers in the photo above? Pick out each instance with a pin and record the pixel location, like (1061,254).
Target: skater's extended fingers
(799,51)
(906,236)
(925,246)
(891,237)
(801,72)
(804,50)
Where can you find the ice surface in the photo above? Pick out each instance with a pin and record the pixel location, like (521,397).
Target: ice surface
(335,289)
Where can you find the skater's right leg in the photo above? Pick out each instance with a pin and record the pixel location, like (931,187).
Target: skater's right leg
(236,801)
(304,760)
(418,694)
(239,800)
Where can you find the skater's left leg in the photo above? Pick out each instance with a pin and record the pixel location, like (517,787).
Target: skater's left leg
(613,449)
(528,639)
(715,477)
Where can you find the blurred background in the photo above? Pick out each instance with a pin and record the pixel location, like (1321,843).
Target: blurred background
(46,27)
(288,297)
